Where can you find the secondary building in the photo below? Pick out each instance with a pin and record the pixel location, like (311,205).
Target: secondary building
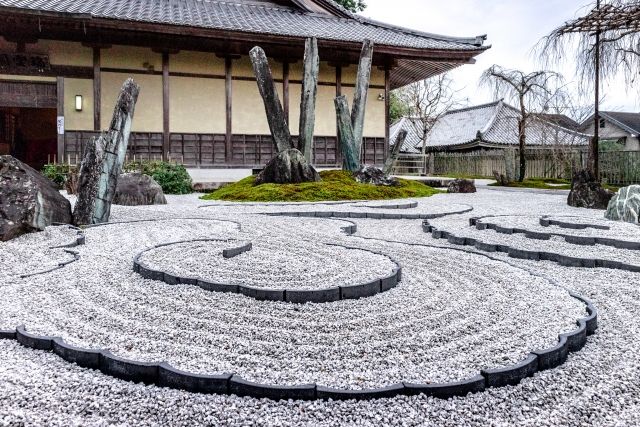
(487,126)
(62,63)
(619,129)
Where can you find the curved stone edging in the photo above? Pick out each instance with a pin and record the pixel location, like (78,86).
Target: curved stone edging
(165,375)
(546,222)
(481,224)
(410,205)
(564,260)
(294,296)
(366,215)
(79,241)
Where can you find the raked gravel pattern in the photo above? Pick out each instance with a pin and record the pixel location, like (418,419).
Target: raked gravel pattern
(597,386)
(273,263)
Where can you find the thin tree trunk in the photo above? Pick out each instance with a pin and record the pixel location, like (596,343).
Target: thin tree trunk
(350,151)
(391,160)
(308,99)
(273,106)
(362,89)
(522,138)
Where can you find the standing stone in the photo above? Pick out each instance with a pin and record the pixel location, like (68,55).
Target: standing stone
(288,167)
(397,148)
(586,192)
(350,151)
(275,113)
(102,162)
(361,92)
(136,189)
(625,205)
(510,164)
(28,201)
(308,98)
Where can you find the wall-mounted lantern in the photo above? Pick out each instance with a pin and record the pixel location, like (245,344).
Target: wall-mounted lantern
(381,97)
(78,102)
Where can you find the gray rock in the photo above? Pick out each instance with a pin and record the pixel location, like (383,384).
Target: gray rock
(102,162)
(586,192)
(462,186)
(288,167)
(625,205)
(28,201)
(136,189)
(373,175)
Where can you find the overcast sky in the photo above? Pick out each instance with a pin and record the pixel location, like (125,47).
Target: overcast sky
(513,28)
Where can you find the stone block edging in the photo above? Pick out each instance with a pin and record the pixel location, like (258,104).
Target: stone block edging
(512,252)
(164,375)
(294,296)
(367,215)
(481,223)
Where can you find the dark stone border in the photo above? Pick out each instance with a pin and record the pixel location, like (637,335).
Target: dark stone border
(546,222)
(410,205)
(366,215)
(564,260)
(164,375)
(295,296)
(79,241)
(481,224)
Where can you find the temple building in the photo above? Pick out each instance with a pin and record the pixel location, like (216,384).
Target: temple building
(62,63)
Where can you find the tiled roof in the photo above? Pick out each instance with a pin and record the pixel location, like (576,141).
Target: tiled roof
(489,124)
(627,121)
(260,17)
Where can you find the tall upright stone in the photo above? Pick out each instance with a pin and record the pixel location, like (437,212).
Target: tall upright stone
(308,99)
(359,107)
(350,153)
(103,160)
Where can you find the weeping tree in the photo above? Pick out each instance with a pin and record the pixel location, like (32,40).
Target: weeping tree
(352,5)
(603,43)
(531,93)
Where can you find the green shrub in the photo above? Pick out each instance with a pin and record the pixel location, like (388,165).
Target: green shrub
(172,177)
(58,173)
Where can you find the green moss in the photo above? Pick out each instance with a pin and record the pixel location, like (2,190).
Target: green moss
(335,185)
(540,183)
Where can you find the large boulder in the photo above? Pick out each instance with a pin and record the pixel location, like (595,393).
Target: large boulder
(373,175)
(288,167)
(586,192)
(625,205)
(136,189)
(461,186)
(28,201)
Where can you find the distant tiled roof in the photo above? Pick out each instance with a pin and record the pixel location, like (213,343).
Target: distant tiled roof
(493,124)
(560,120)
(253,17)
(630,122)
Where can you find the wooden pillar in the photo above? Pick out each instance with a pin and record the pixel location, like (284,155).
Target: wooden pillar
(228,91)
(166,136)
(97,94)
(338,93)
(60,107)
(285,89)
(387,110)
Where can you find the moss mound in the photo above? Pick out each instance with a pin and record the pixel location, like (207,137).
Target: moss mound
(335,185)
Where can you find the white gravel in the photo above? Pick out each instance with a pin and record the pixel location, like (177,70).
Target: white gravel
(273,263)
(453,314)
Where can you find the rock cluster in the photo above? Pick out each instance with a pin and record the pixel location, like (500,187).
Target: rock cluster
(288,167)
(586,192)
(373,175)
(28,201)
(625,205)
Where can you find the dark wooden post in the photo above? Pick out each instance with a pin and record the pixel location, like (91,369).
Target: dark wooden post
(228,93)
(359,107)
(387,110)
(338,93)
(97,89)
(60,107)
(350,151)
(308,99)
(166,136)
(285,89)
(275,113)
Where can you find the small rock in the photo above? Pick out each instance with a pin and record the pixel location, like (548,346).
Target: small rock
(461,186)
(136,189)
